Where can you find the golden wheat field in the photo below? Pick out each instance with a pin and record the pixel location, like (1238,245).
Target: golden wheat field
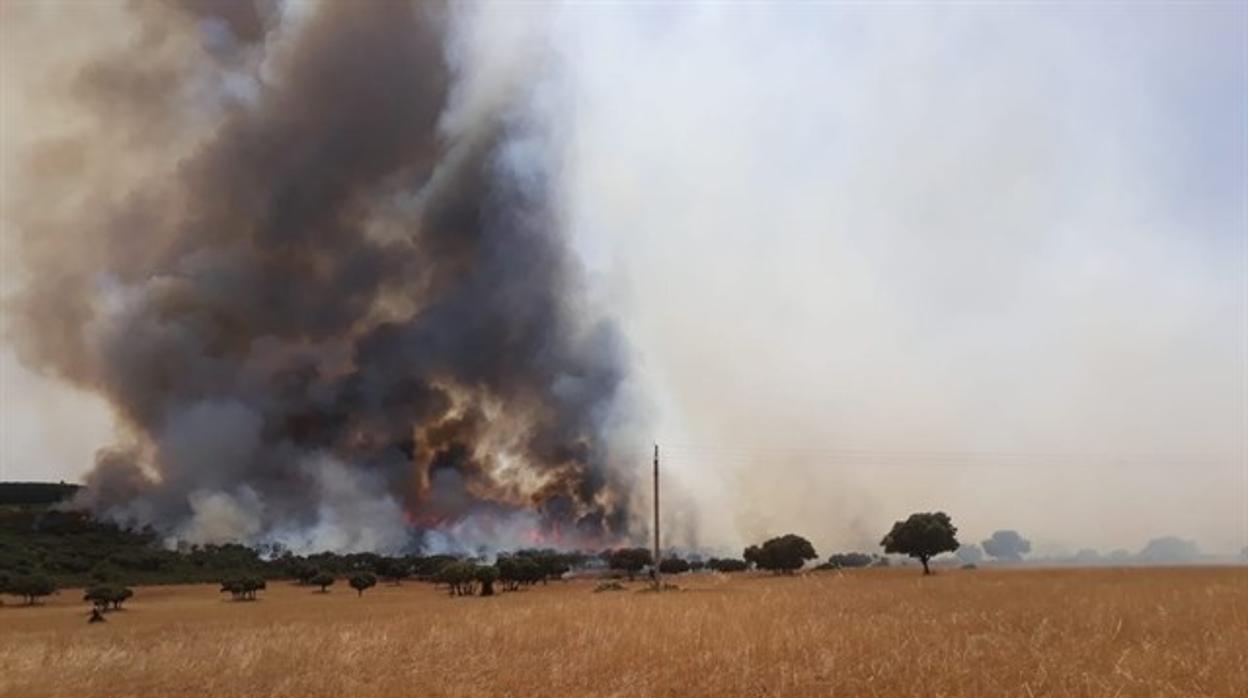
(889,632)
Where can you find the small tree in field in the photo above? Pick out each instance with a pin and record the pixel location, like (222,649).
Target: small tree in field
(460,578)
(922,536)
(630,560)
(324,580)
(361,581)
(105,595)
(243,588)
(32,587)
(781,555)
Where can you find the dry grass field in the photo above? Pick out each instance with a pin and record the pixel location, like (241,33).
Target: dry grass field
(1131,632)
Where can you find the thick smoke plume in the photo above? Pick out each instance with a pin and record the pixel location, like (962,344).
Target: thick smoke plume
(320,282)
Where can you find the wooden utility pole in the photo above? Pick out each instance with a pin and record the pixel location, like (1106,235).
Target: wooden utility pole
(658,579)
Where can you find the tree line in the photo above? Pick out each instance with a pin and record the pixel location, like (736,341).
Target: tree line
(43,551)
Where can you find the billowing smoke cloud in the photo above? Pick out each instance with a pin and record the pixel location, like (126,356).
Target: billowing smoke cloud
(310,261)
(869,260)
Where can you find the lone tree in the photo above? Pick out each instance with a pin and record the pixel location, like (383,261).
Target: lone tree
(361,581)
(629,560)
(105,595)
(243,588)
(1007,546)
(324,580)
(781,555)
(460,578)
(922,536)
(31,587)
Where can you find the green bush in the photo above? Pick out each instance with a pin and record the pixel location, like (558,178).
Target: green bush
(781,555)
(629,560)
(727,564)
(361,581)
(31,587)
(324,580)
(105,595)
(516,570)
(673,565)
(460,578)
(243,588)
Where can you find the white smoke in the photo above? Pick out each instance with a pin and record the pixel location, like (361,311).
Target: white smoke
(877,260)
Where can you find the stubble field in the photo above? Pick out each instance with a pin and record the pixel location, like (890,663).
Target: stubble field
(884,632)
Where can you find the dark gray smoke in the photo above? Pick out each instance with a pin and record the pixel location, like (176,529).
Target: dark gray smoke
(324,312)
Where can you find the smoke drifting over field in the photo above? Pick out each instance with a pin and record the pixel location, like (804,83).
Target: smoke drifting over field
(313,268)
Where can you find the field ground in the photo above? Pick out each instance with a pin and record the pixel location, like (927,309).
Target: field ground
(886,632)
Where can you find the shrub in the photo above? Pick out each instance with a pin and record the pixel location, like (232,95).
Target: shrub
(673,565)
(781,555)
(105,595)
(324,580)
(849,560)
(727,564)
(243,588)
(922,536)
(549,564)
(31,587)
(361,581)
(459,577)
(514,571)
(629,560)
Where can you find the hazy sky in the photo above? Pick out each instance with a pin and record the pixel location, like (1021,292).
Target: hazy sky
(872,260)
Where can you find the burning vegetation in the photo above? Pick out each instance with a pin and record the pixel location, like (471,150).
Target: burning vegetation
(316,273)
